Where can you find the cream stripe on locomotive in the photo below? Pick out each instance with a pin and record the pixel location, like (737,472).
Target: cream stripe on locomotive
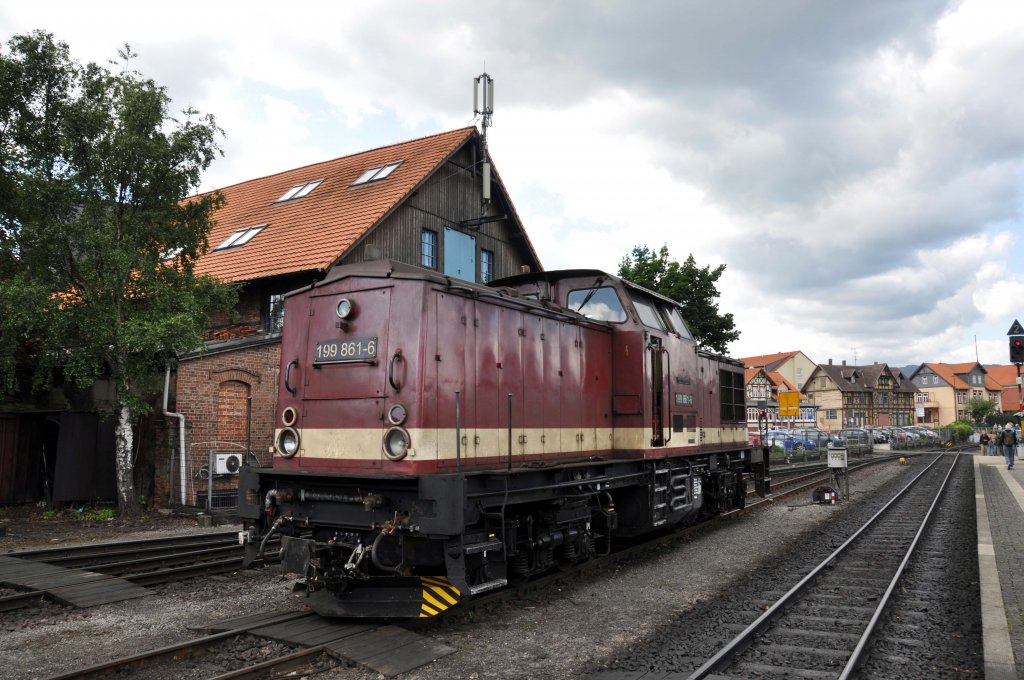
(365,443)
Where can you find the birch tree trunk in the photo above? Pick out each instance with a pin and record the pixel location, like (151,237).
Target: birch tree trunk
(127,503)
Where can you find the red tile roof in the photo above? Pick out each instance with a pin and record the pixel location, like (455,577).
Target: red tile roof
(1004,376)
(767,359)
(312,232)
(946,372)
(781,381)
(777,380)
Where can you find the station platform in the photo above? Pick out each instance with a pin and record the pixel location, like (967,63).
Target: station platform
(999,495)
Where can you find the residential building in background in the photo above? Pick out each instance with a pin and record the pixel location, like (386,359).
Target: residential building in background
(854,396)
(946,389)
(763,388)
(794,366)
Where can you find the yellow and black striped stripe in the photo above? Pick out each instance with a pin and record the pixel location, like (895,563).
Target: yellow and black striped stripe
(438,595)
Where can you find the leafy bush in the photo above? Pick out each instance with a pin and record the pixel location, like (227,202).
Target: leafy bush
(960,430)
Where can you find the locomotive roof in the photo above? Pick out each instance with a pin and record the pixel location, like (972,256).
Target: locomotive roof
(560,274)
(392,269)
(553,276)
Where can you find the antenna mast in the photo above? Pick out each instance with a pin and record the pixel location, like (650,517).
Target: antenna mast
(483,89)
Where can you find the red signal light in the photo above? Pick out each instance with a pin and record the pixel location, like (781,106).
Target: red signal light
(1017,350)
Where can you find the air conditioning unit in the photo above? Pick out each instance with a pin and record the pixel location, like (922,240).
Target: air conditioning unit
(226,463)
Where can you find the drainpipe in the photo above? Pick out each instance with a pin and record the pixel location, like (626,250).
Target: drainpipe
(181,432)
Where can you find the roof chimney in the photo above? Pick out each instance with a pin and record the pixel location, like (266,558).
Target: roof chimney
(830,362)
(844,362)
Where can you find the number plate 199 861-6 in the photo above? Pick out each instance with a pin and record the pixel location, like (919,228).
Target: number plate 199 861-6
(344,351)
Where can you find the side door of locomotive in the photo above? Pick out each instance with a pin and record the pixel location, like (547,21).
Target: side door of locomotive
(656,367)
(682,392)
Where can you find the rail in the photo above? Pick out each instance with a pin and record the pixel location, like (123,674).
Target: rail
(730,652)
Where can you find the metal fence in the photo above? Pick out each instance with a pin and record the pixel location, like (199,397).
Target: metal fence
(794,446)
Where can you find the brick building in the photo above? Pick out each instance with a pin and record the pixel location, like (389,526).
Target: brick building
(429,202)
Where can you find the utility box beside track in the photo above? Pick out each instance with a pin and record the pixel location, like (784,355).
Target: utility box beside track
(837,465)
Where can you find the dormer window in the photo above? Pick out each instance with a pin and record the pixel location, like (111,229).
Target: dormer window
(299,191)
(240,237)
(376,174)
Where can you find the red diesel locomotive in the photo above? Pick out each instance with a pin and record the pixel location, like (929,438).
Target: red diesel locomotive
(436,439)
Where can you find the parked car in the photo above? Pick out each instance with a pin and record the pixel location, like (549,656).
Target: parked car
(878,435)
(897,438)
(927,434)
(858,440)
(914,439)
(819,438)
(788,441)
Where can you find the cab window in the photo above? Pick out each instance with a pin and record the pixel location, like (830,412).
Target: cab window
(648,315)
(597,303)
(678,324)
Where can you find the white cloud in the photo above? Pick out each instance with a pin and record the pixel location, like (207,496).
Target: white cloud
(857,166)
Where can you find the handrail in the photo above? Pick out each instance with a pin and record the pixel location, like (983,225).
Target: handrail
(288,375)
(397,356)
(667,408)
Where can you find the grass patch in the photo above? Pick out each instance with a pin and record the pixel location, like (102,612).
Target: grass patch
(79,514)
(102,515)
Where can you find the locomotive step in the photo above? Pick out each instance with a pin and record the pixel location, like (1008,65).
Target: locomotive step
(489,585)
(482,546)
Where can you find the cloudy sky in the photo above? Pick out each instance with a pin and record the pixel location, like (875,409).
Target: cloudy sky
(857,166)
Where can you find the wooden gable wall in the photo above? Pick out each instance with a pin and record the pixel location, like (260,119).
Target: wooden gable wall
(451,195)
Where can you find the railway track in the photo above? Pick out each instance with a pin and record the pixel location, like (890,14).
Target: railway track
(143,562)
(170,657)
(824,626)
(299,658)
(100,554)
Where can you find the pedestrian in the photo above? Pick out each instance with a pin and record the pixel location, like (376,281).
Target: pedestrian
(984,440)
(1009,441)
(997,441)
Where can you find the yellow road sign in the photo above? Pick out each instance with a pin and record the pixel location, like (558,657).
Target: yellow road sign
(789,404)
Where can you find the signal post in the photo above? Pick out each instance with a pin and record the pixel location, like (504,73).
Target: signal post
(1016,334)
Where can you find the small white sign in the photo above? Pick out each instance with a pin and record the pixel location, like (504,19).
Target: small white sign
(837,458)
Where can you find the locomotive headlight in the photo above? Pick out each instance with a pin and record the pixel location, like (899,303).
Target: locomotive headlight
(289,415)
(345,308)
(396,443)
(288,442)
(397,414)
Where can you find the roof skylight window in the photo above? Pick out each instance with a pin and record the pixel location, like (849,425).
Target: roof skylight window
(300,190)
(376,174)
(240,237)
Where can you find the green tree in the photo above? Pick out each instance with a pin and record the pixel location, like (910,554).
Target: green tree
(693,287)
(980,409)
(98,244)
